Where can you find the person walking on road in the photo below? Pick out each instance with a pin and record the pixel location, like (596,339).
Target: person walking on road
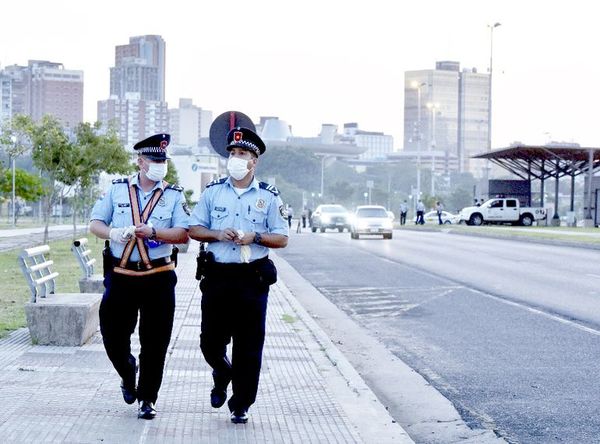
(439,208)
(240,219)
(142,216)
(420,212)
(290,215)
(403,211)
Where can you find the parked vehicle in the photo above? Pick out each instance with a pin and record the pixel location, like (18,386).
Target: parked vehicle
(502,210)
(330,216)
(371,220)
(447,218)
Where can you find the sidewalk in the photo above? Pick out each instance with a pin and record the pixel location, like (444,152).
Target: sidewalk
(308,391)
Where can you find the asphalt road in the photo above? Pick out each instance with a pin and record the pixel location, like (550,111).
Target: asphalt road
(509,332)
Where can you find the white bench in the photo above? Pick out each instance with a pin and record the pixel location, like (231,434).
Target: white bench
(90,282)
(56,318)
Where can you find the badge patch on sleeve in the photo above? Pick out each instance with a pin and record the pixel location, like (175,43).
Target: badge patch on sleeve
(282,212)
(185,207)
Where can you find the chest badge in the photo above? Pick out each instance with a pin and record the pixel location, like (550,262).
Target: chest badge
(161,202)
(260,204)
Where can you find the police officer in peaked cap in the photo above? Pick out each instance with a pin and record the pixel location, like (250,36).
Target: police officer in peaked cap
(240,218)
(142,216)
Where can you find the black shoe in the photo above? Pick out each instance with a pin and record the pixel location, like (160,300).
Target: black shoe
(217,397)
(218,394)
(147,410)
(129,393)
(128,384)
(239,416)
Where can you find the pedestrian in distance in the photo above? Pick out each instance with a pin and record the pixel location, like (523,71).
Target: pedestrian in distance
(290,215)
(304,214)
(439,208)
(142,216)
(403,212)
(420,213)
(240,218)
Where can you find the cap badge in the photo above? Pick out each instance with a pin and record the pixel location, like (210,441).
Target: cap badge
(163,145)
(237,136)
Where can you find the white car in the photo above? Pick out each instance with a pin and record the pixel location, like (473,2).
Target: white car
(371,220)
(447,218)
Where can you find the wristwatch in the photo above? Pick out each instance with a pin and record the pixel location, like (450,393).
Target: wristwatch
(257,238)
(153,235)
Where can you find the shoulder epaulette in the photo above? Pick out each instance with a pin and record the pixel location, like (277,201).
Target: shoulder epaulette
(121,180)
(270,188)
(217,182)
(174,186)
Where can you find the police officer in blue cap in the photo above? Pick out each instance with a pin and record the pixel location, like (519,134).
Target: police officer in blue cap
(240,218)
(142,216)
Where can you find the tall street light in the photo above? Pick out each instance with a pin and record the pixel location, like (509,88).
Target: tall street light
(433,107)
(14,141)
(416,85)
(487,166)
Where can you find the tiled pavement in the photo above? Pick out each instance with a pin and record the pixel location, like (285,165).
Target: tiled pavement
(71,394)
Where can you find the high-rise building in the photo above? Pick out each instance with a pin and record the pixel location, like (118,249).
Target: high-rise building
(446,110)
(41,88)
(137,104)
(189,123)
(139,68)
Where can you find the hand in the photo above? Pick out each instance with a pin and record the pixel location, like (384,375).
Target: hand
(227,235)
(143,231)
(244,238)
(121,235)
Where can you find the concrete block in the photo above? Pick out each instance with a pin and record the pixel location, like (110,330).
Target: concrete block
(94,284)
(67,319)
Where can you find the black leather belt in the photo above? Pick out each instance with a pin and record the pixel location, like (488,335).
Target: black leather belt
(140,266)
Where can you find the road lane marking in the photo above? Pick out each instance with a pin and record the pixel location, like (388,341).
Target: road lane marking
(540,312)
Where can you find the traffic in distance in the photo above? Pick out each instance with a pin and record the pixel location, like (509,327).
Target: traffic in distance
(367,220)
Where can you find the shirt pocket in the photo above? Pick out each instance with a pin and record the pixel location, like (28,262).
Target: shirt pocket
(161,217)
(121,215)
(255,219)
(218,218)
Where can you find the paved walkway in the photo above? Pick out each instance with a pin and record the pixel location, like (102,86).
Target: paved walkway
(308,391)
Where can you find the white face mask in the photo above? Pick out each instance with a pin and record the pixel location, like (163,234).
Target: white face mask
(156,171)
(237,167)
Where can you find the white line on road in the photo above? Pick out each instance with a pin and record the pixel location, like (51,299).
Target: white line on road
(540,312)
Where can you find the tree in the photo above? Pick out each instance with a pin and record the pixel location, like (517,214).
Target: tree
(84,159)
(27,186)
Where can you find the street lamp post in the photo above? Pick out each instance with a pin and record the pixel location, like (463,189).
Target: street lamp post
(487,167)
(14,140)
(416,85)
(433,107)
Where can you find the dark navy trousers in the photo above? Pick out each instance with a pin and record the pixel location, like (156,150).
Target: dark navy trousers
(234,308)
(153,297)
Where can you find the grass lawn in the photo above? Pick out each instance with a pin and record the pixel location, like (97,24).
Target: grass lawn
(14,292)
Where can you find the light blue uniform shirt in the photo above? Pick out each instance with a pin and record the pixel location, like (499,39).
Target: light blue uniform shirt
(258,209)
(114,209)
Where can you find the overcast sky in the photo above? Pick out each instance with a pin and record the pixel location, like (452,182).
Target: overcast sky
(333,61)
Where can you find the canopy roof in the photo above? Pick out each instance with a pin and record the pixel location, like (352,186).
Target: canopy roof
(543,161)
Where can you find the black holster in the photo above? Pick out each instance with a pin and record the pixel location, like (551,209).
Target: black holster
(107,261)
(174,254)
(203,260)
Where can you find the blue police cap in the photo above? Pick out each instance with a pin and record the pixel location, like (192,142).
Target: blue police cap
(246,139)
(154,147)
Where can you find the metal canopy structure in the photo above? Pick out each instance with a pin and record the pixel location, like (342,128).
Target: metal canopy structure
(549,161)
(544,161)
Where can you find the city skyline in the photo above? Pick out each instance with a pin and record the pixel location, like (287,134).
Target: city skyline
(333,62)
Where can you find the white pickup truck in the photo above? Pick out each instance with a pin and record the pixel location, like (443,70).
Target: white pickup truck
(500,211)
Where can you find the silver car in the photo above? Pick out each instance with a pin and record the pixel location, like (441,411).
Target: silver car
(371,220)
